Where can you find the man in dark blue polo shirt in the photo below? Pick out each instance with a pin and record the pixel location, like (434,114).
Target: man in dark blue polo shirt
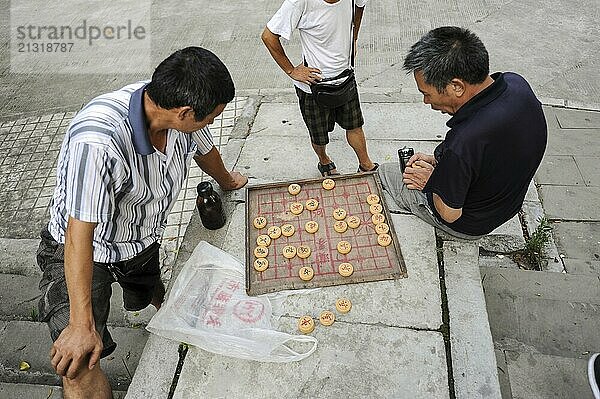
(478,176)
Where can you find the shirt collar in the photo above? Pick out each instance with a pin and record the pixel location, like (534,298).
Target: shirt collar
(479,101)
(137,119)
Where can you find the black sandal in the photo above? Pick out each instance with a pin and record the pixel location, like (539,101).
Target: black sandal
(363,170)
(326,169)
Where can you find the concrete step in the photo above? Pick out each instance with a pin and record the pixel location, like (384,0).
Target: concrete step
(17,256)
(543,285)
(551,313)
(30,341)
(538,376)
(473,357)
(30,391)
(19,297)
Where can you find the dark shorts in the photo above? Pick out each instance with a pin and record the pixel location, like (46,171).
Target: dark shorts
(321,120)
(138,277)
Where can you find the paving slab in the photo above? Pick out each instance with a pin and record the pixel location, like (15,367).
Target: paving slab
(19,296)
(578,240)
(498,261)
(17,256)
(29,391)
(571,203)
(559,170)
(539,376)
(533,284)
(580,266)
(409,302)
(555,313)
(473,357)
(387,121)
(259,163)
(588,166)
(576,119)
(351,360)
(577,142)
(155,370)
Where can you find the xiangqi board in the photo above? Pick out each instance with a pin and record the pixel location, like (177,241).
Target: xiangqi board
(330,228)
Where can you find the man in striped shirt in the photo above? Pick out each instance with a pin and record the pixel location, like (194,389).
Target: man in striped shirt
(122,164)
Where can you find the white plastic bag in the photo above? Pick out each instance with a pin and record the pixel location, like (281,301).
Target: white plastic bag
(208,308)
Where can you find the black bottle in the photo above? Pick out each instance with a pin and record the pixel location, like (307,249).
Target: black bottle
(210,207)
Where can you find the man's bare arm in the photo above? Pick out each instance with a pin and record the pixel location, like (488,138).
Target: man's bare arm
(300,73)
(358,14)
(79,343)
(447,213)
(212,164)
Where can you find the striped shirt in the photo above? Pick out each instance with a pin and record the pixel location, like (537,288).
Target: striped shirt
(109,173)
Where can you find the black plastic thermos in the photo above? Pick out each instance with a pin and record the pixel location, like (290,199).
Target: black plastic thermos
(404,155)
(210,207)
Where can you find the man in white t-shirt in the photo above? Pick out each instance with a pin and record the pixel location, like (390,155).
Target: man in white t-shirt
(326,35)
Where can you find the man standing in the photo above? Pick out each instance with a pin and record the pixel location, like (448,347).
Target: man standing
(327,40)
(122,164)
(478,176)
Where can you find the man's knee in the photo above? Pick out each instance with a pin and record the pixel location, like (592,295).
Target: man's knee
(87,384)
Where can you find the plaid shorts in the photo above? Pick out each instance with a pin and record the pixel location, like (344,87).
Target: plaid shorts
(321,120)
(138,277)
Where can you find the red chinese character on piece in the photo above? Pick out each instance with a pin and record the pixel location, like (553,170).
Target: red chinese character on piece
(233,285)
(249,311)
(212,320)
(322,258)
(222,296)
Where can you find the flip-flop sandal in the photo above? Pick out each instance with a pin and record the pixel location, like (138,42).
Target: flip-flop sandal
(326,169)
(373,169)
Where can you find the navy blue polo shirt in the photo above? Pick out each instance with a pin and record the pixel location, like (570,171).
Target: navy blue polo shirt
(489,156)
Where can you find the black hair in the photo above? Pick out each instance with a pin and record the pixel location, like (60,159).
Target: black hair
(447,53)
(193,77)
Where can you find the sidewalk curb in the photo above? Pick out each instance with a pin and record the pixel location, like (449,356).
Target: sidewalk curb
(569,104)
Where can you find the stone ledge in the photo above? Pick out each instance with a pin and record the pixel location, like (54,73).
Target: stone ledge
(473,357)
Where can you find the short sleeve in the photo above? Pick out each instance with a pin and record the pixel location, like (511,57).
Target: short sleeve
(450,179)
(203,140)
(285,20)
(89,183)
(361,3)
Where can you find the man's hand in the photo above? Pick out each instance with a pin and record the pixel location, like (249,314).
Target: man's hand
(76,347)
(417,174)
(423,157)
(237,181)
(304,74)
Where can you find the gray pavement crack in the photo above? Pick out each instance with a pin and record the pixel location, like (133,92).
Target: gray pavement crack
(445,328)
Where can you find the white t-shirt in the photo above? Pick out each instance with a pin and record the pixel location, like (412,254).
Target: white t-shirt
(325,33)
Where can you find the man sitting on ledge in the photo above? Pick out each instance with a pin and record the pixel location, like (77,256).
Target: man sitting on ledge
(478,176)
